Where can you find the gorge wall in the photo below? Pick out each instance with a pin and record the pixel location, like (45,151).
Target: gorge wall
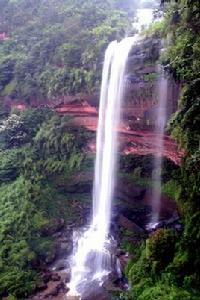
(139,108)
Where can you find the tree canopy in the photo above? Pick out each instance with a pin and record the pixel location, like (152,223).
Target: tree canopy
(55,48)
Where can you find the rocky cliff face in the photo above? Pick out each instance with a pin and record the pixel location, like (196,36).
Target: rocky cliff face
(141,99)
(138,110)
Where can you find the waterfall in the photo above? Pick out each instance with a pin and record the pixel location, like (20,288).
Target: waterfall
(159,146)
(91,259)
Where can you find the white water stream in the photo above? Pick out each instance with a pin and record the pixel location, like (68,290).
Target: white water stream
(92,259)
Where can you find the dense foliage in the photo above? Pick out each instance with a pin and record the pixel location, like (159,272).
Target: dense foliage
(55,48)
(38,151)
(167,265)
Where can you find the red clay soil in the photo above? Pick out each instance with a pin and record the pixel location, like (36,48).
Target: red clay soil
(141,142)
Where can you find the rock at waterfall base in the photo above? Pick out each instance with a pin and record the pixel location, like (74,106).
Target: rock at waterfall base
(130,225)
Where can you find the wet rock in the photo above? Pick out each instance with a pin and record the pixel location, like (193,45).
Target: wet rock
(57,234)
(173,219)
(41,287)
(128,224)
(67,276)
(46,277)
(64,239)
(50,258)
(55,277)
(123,261)
(66,248)
(61,265)
(141,195)
(120,252)
(125,189)
(110,286)
(54,290)
(172,222)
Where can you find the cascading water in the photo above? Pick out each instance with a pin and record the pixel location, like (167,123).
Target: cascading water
(159,146)
(92,260)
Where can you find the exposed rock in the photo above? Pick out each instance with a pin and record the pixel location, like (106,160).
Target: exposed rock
(42,286)
(55,277)
(110,286)
(67,276)
(51,257)
(57,234)
(128,224)
(46,277)
(139,105)
(124,260)
(173,219)
(66,248)
(61,265)
(54,290)
(120,252)
(172,222)
(136,134)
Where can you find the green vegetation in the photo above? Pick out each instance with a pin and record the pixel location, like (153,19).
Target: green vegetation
(39,151)
(167,265)
(56,48)
(140,168)
(156,29)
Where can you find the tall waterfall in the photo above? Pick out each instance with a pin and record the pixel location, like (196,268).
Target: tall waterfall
(159,146)
(91,260)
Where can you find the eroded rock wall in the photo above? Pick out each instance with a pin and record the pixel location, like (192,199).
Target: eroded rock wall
(141,99)
(139,109)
